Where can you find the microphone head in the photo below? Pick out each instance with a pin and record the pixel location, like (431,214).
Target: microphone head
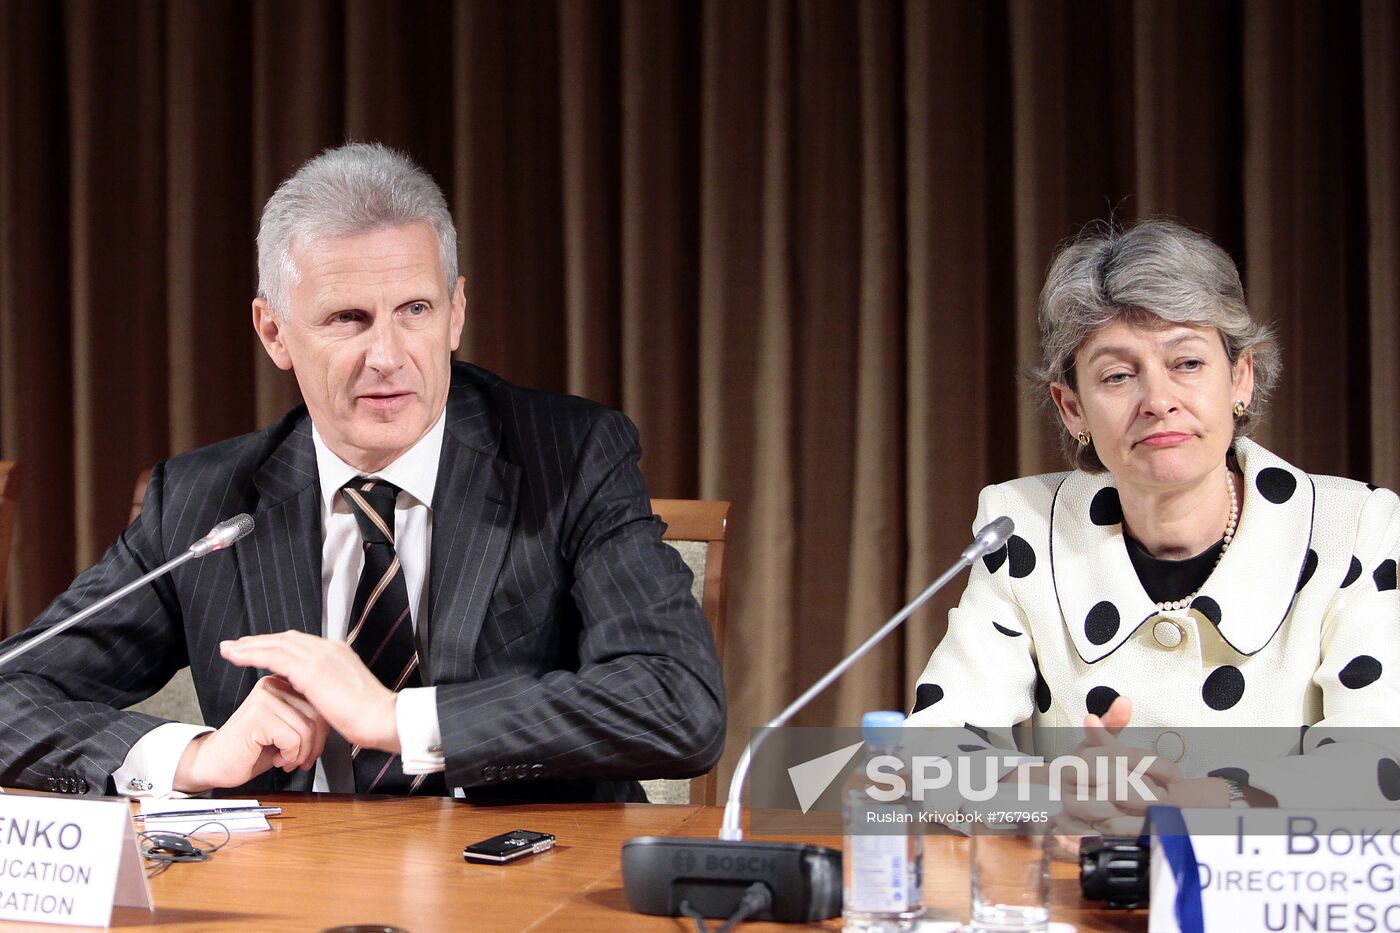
(223,534)
(991,536)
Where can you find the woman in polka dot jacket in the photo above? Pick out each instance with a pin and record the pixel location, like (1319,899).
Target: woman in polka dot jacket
(1179,566)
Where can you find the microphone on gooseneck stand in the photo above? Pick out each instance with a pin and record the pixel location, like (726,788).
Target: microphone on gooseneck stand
(219,537)
(739,879)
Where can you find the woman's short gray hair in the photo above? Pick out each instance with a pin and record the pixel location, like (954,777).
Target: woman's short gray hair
(1155,271)
(346,191)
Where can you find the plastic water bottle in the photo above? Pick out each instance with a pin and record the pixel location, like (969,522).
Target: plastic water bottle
(883,863)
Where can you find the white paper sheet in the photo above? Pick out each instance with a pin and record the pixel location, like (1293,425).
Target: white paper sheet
(234,822)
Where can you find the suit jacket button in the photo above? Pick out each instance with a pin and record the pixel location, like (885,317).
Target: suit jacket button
(53,783)
(489,772)
(536,770)
(1168,632)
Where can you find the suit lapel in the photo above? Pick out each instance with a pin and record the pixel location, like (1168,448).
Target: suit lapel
(1253,588)
(280,562)
(474,506)
(473,513)
(1100,597)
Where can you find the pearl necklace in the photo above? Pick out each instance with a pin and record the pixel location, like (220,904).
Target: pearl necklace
(1229,536)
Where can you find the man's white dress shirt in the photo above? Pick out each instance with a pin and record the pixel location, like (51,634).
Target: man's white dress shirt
(149,767)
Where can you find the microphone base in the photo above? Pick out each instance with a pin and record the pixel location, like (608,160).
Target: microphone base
(711,875)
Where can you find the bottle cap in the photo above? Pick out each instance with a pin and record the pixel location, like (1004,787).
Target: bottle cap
(883,727)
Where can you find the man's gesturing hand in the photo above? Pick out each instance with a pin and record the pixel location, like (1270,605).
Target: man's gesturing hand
(275,727)
(331,677)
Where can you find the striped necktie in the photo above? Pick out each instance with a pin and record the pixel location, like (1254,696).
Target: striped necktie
(381,630)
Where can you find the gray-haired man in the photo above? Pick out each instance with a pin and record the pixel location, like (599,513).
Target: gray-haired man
(449,576)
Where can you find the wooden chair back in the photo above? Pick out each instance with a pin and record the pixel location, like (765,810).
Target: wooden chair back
(138,495)
(9,511)
(706,523)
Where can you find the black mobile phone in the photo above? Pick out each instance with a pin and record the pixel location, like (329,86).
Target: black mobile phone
(507,847)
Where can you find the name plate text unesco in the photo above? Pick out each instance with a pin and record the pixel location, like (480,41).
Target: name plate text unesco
(1293,870)
(68,861)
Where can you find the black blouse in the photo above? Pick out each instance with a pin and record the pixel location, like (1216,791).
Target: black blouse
(1169,580)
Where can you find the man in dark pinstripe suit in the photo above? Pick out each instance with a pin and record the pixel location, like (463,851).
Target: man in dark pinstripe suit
(556,651)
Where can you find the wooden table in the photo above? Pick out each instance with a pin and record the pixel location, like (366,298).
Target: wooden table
(333,860)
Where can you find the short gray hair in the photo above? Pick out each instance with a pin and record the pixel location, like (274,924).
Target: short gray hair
(1156,271)
(353,189)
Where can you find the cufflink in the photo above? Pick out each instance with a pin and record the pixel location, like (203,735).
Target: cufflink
(139,785)
(435,749)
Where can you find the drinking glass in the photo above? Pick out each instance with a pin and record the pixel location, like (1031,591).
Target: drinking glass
(1010,882)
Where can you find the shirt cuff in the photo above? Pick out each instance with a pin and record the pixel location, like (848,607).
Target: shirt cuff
(420,735)
(149,767)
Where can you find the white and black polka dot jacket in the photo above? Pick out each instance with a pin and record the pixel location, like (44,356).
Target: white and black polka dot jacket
(1297,626)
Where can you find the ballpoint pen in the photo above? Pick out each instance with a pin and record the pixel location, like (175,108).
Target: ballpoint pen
(215,811)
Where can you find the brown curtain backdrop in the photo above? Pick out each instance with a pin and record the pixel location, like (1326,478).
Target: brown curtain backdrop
(798,241)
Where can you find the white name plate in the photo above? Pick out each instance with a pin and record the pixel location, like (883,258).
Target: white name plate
(69,861)
(1285,870)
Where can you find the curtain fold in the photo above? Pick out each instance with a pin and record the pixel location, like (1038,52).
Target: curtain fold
(297,77)
(961,387)
(799,242)
(590,110)
(660,232)
(117,291)
(1380,31)
(208,192)
(1305,224)
(36,321)
(509,188)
